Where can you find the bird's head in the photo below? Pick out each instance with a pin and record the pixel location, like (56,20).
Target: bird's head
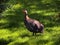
(25,11)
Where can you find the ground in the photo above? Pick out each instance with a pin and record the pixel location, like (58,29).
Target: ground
(13,30)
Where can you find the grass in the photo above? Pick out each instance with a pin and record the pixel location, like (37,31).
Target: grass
(14,32)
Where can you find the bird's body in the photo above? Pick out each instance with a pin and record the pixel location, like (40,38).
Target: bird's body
(33,25)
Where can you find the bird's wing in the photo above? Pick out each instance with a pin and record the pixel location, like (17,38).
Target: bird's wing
(33,25)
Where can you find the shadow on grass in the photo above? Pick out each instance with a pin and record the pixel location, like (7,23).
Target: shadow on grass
(4,42)
(25,43)
(13,21)
(56,39)
(17,20)
(42,42)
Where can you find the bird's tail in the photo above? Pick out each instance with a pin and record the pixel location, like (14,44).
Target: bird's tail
(41,29)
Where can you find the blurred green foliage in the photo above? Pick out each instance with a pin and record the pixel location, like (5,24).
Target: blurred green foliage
(13,30)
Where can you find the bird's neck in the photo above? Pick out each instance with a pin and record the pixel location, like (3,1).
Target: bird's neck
(26,16)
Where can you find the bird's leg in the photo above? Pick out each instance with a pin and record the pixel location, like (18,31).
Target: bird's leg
(33,33)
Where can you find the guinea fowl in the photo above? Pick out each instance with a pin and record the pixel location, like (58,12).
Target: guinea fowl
(32,25)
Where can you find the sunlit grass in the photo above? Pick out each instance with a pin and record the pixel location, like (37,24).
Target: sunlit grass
(4,32)
(50,13)
(11,11)
(46,1)
(49,43)
(19,41)
(3,21)
(16,6)
(37,11)
(19,35)
(44,12)
(33,6)
(55,28)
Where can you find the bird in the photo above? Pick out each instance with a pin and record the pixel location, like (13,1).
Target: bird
(32,25)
